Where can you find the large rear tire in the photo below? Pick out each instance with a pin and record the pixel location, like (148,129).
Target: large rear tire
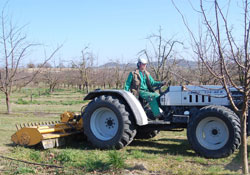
(214,132)
(107,123)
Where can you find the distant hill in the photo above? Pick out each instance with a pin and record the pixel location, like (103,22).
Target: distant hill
(114,64)
(180,62)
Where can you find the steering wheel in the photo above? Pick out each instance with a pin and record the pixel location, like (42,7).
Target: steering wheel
(159,88)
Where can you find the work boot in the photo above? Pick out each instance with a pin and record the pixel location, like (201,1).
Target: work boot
(159,117)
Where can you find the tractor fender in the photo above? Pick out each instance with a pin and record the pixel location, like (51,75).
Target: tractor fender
(132,102)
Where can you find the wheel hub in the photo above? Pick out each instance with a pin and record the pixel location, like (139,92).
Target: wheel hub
(215,132)
(110,123)
(212,133)
(104,123)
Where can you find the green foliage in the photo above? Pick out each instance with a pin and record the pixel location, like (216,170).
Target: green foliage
(137,154)
(200,160)
(179,158)
(21,101)
(95,163)
(215,170)
(80,91)
(63,157)
(25,102)
(24,170)
(35,156)
(21,152)
(116,159)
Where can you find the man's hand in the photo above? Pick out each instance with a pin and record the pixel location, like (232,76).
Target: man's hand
(163,83)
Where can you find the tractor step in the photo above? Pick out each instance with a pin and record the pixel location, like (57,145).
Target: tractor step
(159,122)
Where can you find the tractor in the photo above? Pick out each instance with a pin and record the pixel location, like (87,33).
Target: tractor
(114,118)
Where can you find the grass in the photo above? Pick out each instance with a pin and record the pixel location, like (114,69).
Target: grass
(167,153)
(24,170)
(70,102)
(116,159)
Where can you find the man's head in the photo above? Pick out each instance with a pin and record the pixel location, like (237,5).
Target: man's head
(142,64)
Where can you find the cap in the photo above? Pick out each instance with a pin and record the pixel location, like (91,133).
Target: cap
(143,60)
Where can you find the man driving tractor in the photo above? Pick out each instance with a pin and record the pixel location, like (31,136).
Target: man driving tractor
(141,84)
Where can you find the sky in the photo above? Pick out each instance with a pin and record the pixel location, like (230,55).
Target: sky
(113,29)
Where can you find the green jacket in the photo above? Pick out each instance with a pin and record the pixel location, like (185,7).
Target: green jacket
(136,81)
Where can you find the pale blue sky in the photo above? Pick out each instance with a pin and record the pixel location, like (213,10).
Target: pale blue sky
(114,29)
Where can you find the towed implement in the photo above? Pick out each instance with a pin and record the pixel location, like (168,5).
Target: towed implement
(48,134)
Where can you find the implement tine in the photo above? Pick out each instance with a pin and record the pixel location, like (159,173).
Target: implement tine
(20,126)
(17,127)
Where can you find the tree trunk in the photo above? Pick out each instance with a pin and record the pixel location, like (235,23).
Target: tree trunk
(50,89)
(243,148)
(7,97)
(80,87)
(87,87)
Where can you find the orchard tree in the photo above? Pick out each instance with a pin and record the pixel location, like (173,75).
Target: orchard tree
(227,49)
(160,55)
(84,66)
(14,47)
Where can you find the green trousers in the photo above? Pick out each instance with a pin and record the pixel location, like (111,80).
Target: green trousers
(151,98)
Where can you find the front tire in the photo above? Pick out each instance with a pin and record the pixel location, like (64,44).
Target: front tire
(214,132)
(107,123)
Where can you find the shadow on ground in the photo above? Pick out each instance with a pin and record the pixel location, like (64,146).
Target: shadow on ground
(236,164)
(173,147)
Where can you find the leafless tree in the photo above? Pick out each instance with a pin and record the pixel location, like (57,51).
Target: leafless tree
(119,73)
(202,74)
(227,51)
(14,49)
(102,79)
(84,67)
(52,77)
(161,61)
